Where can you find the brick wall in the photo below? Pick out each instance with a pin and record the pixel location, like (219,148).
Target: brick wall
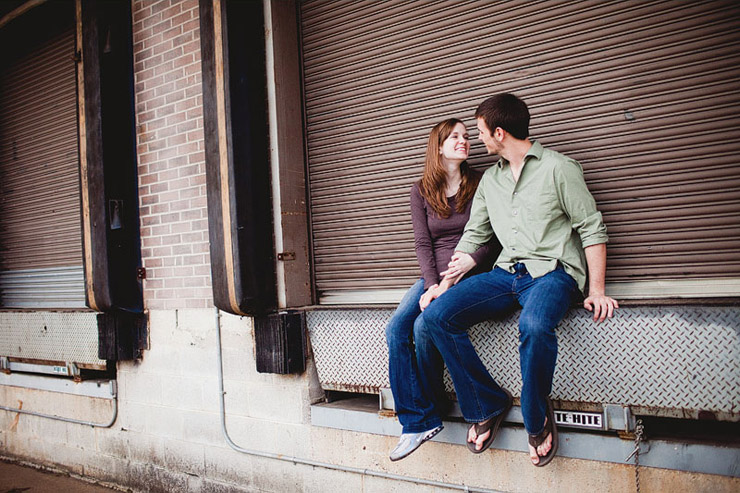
(172,190)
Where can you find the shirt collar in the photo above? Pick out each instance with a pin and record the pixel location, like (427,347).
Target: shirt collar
(534,151)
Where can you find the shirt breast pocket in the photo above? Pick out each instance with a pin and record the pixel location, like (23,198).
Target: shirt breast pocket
(542,207)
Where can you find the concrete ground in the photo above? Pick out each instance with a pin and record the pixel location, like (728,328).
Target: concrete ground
(15,478)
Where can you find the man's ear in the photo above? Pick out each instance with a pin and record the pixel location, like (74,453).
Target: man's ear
(499,133)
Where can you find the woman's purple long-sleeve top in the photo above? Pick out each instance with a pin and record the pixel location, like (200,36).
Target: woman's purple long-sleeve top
(435,239)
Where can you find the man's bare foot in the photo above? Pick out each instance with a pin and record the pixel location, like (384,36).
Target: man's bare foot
(478,440)
(542,450)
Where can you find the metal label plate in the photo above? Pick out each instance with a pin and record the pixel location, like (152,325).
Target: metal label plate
(579,419)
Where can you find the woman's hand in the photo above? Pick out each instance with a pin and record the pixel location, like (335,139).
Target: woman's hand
(460,265)
(428,296)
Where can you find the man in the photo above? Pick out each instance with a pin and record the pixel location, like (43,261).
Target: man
(536,202)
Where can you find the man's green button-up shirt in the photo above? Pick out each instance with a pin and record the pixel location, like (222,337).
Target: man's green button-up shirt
(546,217)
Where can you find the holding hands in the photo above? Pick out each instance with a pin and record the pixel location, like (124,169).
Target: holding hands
(460,264)
(430,294)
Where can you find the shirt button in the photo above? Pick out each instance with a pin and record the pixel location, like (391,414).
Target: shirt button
(515,231)
(515,212)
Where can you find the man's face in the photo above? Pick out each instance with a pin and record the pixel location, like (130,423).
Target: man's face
(493,146)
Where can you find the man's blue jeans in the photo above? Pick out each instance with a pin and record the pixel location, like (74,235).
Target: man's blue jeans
(415,409)
(544,301)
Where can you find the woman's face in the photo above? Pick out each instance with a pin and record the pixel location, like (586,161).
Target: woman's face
(457,145)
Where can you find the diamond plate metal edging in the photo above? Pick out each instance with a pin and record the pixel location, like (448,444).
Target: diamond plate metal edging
(684,358)
(50,336)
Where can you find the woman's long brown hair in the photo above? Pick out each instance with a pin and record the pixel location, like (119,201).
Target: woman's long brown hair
(434,180)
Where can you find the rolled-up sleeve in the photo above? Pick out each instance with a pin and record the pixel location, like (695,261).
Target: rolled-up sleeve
(478,230)
(578,203)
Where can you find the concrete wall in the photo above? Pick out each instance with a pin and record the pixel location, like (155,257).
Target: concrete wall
(168,434)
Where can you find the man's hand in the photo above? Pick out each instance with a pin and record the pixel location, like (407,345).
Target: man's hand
(603,306)
(433,293)
(460,264)
(598,302)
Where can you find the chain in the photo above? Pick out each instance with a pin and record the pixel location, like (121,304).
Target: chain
(639,430)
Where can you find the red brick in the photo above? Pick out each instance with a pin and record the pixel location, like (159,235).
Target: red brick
(199,202)
(201,248)
(160,208)
(152,21)
(177,139)
(173,283)
(180,249)
(162,5)
(149,200)
(160,230)
(165,110)
(183,271)
(171,33)
(195,237)
(192,26)
(187,193)
(172,217)
(200,225)
(153,304)
(149,241)
(183,227)
(176,162)
(150,220)
(189,170)
(176,119)
(163,69)
(156,145)
(170,197)
(161,48)
(199,180)
(164,251)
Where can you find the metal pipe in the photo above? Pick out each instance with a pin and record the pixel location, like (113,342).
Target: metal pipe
(310,462)
(70,420)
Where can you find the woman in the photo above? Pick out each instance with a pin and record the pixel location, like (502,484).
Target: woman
(440,207)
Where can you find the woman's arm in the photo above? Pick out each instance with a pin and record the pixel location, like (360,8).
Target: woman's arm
(423,239)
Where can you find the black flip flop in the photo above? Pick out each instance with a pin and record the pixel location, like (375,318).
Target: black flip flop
(491,424)
(537,440)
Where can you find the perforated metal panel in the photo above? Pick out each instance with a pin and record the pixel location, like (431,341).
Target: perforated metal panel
(659,359)
(70,337)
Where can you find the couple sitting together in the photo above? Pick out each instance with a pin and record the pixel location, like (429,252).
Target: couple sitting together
(533,211)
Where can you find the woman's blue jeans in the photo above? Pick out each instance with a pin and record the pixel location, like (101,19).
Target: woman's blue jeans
(416,409)
(544,300)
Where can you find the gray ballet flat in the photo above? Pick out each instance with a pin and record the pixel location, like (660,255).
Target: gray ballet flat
(412,441)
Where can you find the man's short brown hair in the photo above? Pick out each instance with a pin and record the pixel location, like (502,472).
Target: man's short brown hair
(506,111)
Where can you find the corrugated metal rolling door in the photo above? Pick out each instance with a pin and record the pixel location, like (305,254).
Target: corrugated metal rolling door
(40,235)
(644,94)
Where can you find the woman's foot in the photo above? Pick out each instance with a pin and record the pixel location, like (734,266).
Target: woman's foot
(408,442)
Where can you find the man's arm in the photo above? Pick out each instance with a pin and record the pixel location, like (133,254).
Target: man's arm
(603,306)
(478,230)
